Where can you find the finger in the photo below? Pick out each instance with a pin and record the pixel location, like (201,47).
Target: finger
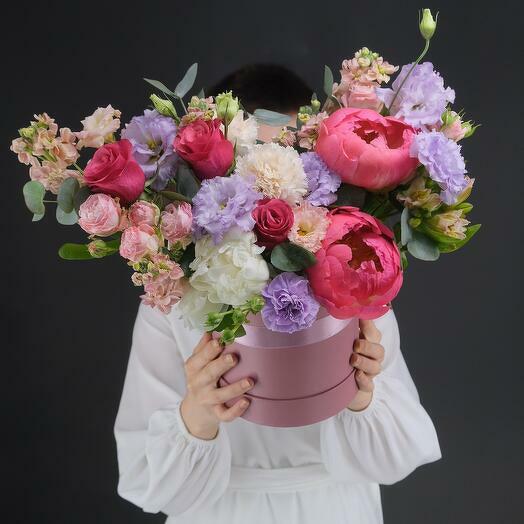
(229,392)
(369,349)
(207,354)
(215,369)
(364,382)
(204,339)
(226,414)
(369,331)
(365,364)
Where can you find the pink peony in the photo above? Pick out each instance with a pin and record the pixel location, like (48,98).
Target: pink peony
(358,270)
(366,149)
(143,212)
(100,215)
(175,222)
(139,241)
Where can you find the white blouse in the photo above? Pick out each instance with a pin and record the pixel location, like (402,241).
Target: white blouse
(326,472)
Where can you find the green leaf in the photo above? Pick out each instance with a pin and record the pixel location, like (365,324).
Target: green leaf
(66,219)
(187,82)
(81,196)
(422,247)
(470,232)
(186,182)
(405,228)
(328,81)
(75,252)
(271,118)
(348,195)
(66,194)
(291,257)
(201,94)
(161,87)
(37,217)
(186,259)
(240,332)
(173,195)
(34,193)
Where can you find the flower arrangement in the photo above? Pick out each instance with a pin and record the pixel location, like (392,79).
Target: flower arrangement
(224,226)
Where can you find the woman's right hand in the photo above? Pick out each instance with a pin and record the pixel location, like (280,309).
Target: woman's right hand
(203,407)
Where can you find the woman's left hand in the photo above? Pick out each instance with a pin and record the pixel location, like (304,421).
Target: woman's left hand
(367,359)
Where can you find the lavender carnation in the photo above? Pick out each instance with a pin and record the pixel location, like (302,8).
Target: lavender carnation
(222,203)
(152,137)
(443,160)
(322,182)
(290,305)
(422,99)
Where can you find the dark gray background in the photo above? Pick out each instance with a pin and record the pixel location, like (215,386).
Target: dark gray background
(67,326)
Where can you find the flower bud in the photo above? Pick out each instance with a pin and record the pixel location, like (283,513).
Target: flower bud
(256,304)
(469,128)
(99,249)
(315,105)
(228,336)
(164,107)
(428,24)
(27,132)
(213,320)
(227,106)
(238,316)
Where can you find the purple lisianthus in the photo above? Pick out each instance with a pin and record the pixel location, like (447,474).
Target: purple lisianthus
(422,99)
(152,137)
(222,203)
(290,304)
(442,158)
(322,182)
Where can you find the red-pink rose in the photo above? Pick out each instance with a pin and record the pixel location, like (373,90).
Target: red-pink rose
(203,145)
(358,270)
(366,149)
(273,220)
(114,171)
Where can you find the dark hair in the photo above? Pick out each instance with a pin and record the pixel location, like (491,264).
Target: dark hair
(265,86)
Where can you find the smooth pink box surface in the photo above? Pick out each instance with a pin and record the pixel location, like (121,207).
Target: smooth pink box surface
(296,383)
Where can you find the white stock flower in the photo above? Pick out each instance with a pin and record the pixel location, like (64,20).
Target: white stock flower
(242,133)
(230,272)
(278,171)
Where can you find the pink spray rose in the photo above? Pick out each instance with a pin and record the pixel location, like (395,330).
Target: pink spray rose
(175,222)
(143,212)
(114,171)
(203,145)
(358,270)
(100,215)
(366,149)
(138,241)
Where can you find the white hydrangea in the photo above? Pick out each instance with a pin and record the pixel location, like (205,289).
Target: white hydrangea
(194,307)
(278,171)
(230,272)
(242,133)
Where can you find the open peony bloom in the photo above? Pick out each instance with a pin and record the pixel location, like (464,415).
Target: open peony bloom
(358,270)
(366,149)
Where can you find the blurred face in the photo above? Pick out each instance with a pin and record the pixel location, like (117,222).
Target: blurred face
(266,133)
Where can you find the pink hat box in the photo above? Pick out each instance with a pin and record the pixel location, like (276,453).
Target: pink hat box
(300,378)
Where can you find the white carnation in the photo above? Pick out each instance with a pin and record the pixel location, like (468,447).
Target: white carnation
(242,133)
(230,272)
(278,171)
(194,307)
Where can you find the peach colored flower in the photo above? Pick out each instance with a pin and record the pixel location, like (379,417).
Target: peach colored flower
(23,150)
(51,174)
(309,227)
(362,96)
(308,133)
(99,127)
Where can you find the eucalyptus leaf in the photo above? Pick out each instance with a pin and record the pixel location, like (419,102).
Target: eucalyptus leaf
(81,196)
(328,81)
(201,94)
(187,82)
(66,219)
(271,118)
(34,193)
(75,252)
(405,228)
(186,182)
(37,217)
(291,257)
(161,87)
(66,194)
(422,247)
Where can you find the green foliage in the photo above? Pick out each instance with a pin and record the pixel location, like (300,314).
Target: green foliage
(270,118)
(187,81)
(328,81)
(66,194)
(291,257)
(34,193)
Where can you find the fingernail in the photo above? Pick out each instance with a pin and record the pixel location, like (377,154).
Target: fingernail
(358,346)
(248,383)
(216,345)
(230,359)
(244,402)
(356,360)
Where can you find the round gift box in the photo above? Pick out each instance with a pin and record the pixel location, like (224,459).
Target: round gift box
(300,378)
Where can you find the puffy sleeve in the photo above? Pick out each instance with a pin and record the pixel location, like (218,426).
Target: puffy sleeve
(390,438)
(162,466)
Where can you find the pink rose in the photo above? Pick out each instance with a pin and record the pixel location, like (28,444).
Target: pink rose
(366,149)
(362,96)
(138,241)
(175,222)
(114,171)
(100,215)
(203,145)
(358,270)
(143,212)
